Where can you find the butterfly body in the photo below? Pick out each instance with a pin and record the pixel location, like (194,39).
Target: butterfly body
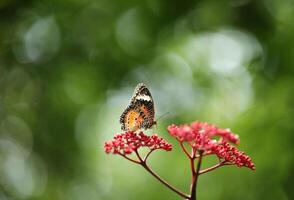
(140,112)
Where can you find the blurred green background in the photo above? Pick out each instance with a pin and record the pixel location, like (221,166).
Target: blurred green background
(69,67)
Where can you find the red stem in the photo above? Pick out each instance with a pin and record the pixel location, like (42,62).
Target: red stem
(213,167)
(148,154)
(204,154)
(144,164)
(185,150)
(130,159)
(195,174)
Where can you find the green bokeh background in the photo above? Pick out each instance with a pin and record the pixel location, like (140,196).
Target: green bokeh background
(68,68)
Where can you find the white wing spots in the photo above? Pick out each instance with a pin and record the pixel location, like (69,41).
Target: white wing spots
(143,97)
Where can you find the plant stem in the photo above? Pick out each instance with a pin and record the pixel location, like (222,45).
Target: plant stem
(130,159)
(185,150)
(213,167)
(144,164)
(195,174)
(148,154)
(164,182)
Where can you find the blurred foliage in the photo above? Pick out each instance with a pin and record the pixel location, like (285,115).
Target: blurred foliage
(68,68)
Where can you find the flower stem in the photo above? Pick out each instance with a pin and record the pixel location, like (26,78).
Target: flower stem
(164,182)
(213,167)
(145,166)
(195,174)
(185,150)
(130,159)
(148,154)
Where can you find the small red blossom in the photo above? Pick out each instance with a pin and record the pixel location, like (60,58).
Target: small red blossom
(210,139)
(126,143)
(182,133)
(232,155)
(189,133)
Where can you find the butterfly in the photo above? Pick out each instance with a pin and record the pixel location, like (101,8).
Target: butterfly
(140,112)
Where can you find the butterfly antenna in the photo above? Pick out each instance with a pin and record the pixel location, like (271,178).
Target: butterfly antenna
(155,126)
(163,115)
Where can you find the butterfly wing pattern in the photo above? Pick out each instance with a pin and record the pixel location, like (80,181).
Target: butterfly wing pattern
(140,112)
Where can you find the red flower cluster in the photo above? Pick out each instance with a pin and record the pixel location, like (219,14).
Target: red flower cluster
(211,140)
(201,131)
(232,155)
(129,141)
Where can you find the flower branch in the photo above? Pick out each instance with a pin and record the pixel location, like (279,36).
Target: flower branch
(201,138)
(214,167)
(130,159)
(163,181)
(195,177)
(185,150)
(128,142)
(147,155)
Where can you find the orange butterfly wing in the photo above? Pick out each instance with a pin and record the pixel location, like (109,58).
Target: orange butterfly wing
(140,113)
(132,120)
